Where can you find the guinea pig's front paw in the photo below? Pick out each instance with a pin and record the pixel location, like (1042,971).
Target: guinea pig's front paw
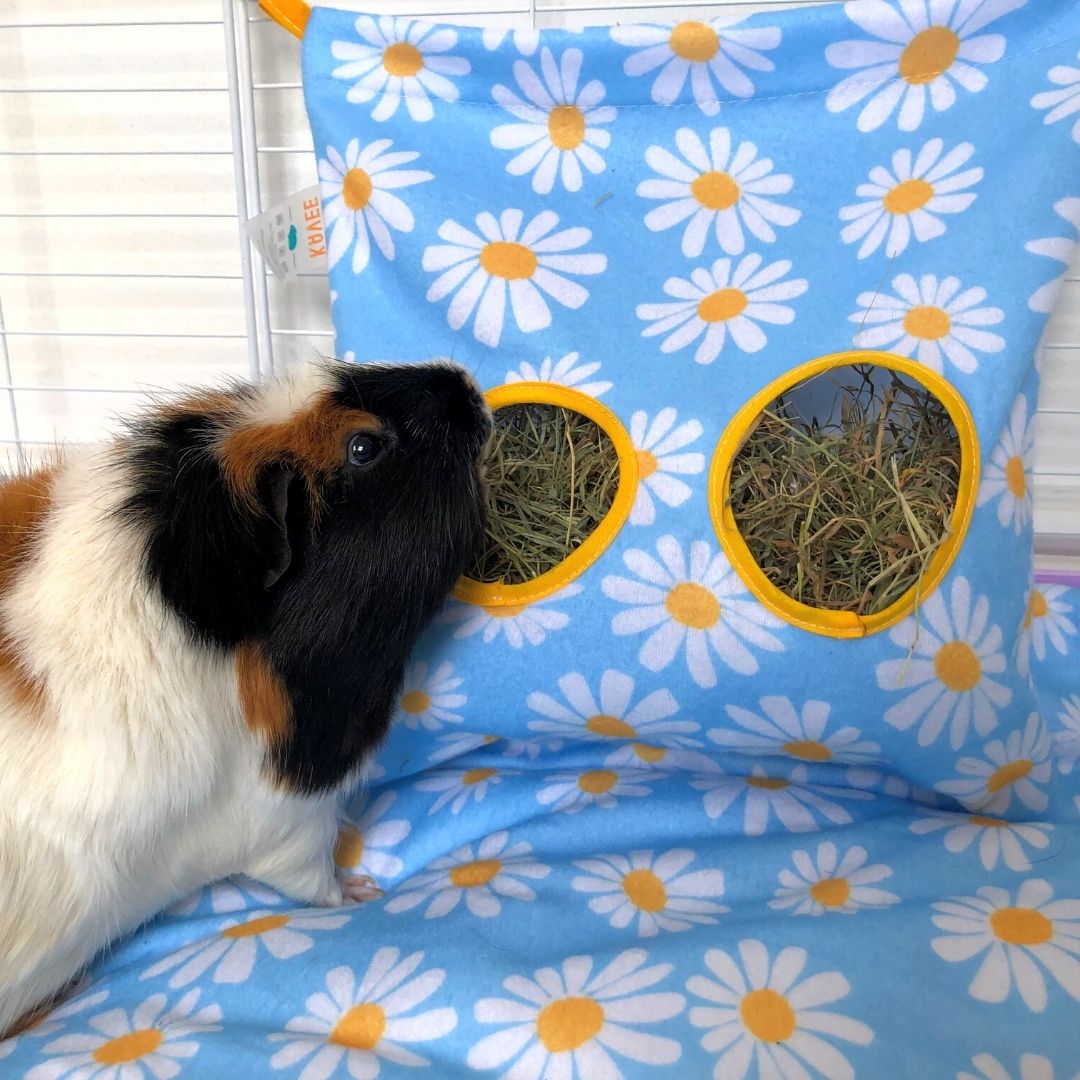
(351,889)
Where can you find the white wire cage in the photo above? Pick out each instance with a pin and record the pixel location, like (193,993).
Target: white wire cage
(133,148)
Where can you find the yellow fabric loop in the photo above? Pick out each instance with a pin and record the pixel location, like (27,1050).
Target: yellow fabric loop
(292,14)
(577,562)
(842,624)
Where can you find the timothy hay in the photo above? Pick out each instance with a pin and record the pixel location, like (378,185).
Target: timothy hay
(846,514)
(553,474)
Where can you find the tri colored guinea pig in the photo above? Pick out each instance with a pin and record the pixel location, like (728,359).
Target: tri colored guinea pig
(203,632)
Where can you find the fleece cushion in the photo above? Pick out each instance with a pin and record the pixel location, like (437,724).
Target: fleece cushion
(665,221)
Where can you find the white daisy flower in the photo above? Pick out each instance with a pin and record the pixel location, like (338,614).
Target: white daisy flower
(564,372)
(366,1024)
(614,715)
(399,58)
(457,744)
(726,189)
(147,1043)
(457,787)
(1063,102)
(916,52)
(428,700)
(479,876)
(1066,742)
(651,890)
(701,604)
(662,459)
(357,201)
(571,792)
(1013,767)
(831,883)
(238,893)
(508,255)
(996,837)
(558,129)
(1046,617)
(931,320)
(1008,474)
(1062,249)
(799,734)
(570,1021)
(949,655)
(86,995)
(715,53)
(795,802)
(517,623)
(762,1020)
(1020,937)
(364,844)
(1032,1067)
(526,41)
(726,299)
(232,951)
(909,200)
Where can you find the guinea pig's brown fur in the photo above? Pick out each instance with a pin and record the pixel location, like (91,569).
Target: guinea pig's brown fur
(203,631)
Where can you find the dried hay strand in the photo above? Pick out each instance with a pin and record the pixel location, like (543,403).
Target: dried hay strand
(845,515)
(552,475)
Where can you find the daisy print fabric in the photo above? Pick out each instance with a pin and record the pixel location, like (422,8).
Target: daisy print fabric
(631,823)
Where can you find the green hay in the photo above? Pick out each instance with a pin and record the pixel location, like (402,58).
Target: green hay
(846,516)
(552,474)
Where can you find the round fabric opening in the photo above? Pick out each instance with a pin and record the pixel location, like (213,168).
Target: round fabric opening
(844,490)
(561,472)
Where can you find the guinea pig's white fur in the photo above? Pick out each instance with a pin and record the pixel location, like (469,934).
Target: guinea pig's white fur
(131,773)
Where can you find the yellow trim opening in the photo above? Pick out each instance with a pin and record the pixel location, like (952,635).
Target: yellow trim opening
(292,14)
(842,624)
(578,561)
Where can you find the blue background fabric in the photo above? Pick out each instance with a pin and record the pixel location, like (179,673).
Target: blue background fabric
(623,834)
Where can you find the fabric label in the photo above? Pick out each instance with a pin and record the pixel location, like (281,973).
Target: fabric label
(290,235)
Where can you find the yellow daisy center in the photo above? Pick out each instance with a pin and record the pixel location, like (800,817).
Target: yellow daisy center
(767,1015)
(569,1023)
(505,611)
(610,726)
(716,190)
(693,605)
(597,781)
(402,60)
(831,892)
(490,739)
(722,305)
(1037,607)
(908,197)
(1009,774)
(958,667)
(927,322)
(477,776)
(648,752)
(768,783)
(1021,926)
(415,702)
(1015,477)
(644,890)
(125,1048)
(472,874)
(694,41)
(566,127)
(807,750)
(349,849)
(929,54)
(356,189)
(646,464)
(360,1028)
(987,822)
(508,260)
(253,927)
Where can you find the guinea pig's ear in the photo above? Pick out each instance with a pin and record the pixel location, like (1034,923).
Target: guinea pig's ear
(281,494)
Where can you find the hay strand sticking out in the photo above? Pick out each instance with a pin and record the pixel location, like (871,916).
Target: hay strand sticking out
(846,515)
(552,474)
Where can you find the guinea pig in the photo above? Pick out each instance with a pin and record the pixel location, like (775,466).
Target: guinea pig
(203,632)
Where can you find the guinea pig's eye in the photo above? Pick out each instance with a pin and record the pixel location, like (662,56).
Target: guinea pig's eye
(364,448)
